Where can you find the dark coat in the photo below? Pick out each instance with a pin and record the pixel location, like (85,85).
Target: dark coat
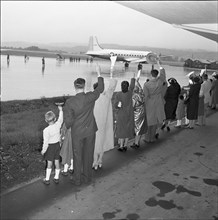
(192,105)
(78,112)
(125,115)
(171,98)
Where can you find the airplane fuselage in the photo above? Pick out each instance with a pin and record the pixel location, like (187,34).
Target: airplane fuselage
(122,55)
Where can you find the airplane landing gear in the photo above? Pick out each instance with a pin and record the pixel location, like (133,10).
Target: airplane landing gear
(126,65)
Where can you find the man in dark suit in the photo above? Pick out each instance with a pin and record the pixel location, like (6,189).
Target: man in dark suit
(78,114)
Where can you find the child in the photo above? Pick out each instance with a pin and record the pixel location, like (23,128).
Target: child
(66,152)
(51,144)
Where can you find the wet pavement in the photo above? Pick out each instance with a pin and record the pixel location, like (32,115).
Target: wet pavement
(174,178)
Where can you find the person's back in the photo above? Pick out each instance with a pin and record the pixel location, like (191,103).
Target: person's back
(154,102)
(81,109)
(78,114)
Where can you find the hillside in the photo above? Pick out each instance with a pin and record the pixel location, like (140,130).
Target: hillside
(82,48)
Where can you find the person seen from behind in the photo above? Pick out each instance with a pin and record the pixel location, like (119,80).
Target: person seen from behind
(154,102)
(104,118)
(79,116)
(205,95)
(193,101)
(139,113)
(214,91)
(125,114)
(66,151)
(171,101)
(51,144)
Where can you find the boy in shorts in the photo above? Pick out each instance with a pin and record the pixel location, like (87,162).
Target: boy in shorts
(51,144)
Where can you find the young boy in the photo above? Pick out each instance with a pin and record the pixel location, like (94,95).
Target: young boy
(51,144)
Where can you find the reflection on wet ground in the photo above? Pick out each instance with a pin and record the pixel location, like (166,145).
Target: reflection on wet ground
(198,154)
(112,215)
(164,187)
(162,203)
(181,189)
(212,182)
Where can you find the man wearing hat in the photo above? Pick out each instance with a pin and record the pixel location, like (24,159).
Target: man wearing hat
(78,115)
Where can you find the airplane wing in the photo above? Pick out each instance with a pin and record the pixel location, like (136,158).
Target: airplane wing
(151,58)
(181,13)
(136,60)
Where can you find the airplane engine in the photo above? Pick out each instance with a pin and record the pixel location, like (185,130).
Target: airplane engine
(152,58)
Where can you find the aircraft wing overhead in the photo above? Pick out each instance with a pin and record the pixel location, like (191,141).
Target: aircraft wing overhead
(210,34)
(180,13)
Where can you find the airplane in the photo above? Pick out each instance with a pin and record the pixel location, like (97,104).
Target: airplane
(126,56)
(186,15)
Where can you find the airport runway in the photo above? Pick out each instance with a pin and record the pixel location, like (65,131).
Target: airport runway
(174,178)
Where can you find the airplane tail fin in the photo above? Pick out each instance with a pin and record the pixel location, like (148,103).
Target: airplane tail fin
(93,44)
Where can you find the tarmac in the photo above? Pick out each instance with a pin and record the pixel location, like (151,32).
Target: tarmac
(174,178)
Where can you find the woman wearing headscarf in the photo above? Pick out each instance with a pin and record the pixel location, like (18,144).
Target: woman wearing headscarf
(171,101)
(125,114)
(193,100)
(104,118)
(139,113)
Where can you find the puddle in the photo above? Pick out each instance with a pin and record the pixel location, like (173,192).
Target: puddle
(212,182)
(162,203)
(194,177)
(175,174)
(202,146)
(164,187)
(132,216)
(198,154)
(110,215)
(181,189)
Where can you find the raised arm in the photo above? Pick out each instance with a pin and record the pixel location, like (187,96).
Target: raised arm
(92,96)
(60,118)
(111,88)
(162,74)
(132,84)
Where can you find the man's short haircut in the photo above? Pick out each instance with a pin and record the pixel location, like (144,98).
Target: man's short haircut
(154,73)
(125,86)
(205,76)
(79,83)
(50,116)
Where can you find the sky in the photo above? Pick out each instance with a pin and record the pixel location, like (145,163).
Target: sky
(76,21)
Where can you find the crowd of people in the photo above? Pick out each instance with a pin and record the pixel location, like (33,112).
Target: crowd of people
(85,126)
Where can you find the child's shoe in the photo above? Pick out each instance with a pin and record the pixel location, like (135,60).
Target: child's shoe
(64,173)
(46,182)
(56,180)
(70,171)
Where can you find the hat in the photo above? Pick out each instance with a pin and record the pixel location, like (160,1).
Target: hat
(79,83)
(190,74)
(214,74)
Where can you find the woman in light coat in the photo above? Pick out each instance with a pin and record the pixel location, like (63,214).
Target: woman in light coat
(104,118)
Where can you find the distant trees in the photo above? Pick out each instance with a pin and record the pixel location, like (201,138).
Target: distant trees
(35,48)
